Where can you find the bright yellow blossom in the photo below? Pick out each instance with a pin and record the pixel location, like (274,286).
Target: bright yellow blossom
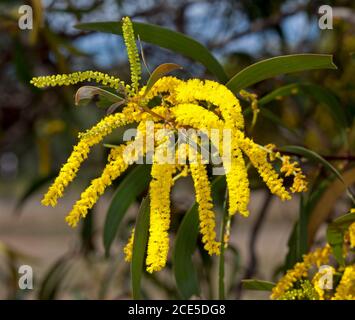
(76,77)
(115,167)
(159,191)
(259,159)
(300,270)
(205,204)
(129,247)
(172,104)
(79,154)
(132,52)
(346,288)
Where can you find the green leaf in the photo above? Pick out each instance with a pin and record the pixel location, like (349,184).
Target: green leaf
(276,66)
(185,244)
(53,279)
(139,247)
(132,185)
(335,234)
(252,284)
(287,90)
(298,242)
(101,97)
(312,156)
(164,38)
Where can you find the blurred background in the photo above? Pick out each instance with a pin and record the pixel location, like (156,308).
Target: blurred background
(39,127)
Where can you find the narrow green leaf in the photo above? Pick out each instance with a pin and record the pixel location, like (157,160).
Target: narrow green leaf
(185,244)
(335,234)
(298,244)
(279,93)
(252,284)
(139,247)
(53,279)
(185,273)
(132,185)
(276,66)
(159,72)
(164,38)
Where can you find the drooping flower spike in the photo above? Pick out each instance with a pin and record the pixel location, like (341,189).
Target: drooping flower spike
(206,106)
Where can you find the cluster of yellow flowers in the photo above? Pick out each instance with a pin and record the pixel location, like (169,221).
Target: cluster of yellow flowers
(180,106)
(288,168)
(352,231)
(77,77)
(295,284)
(300,270)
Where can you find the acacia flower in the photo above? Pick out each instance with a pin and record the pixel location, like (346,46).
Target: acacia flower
(171,104)
(300,270)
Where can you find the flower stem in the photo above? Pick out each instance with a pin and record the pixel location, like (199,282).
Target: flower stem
(221,289)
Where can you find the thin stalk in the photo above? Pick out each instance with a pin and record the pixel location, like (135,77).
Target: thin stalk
(221,289)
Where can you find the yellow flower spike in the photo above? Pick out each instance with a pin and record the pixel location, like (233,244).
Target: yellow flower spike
(117,164)
(79,154)
(193,115)
(205,205)
(316,281)
(352,231)
(129,247)
(352,235)
(196,90)
(158,243)
(300,270)
(163,86)
(132,52)
(253,99)
(237,181)
(259,159)
(346,288)
(76,77)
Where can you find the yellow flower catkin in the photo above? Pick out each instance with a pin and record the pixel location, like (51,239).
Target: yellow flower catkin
(318,285)
(205,204)
(76,77)
(259,159)
(237,182)
(165,87)
(352,231)
(132,52)
(68,172)
(210,91)
(300,270)
(115,167)
(193,115)
(159,191)
(127,250)
(346,288)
